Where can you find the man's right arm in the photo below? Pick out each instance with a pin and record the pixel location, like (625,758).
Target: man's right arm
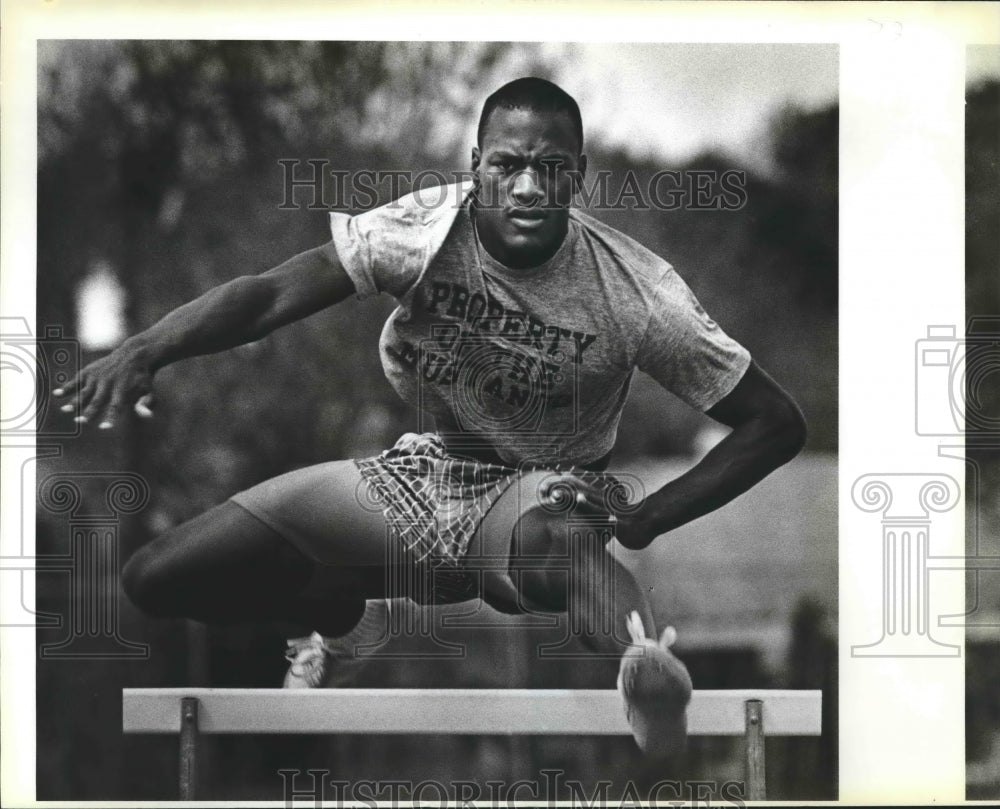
(238,312)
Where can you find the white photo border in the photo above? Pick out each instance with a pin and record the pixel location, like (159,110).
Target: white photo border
(902,720)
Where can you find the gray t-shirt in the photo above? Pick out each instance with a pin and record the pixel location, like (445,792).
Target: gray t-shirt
(534,363)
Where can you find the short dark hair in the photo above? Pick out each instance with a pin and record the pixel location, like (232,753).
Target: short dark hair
(534,94)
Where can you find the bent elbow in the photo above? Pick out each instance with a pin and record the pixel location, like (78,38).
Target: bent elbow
(789,431)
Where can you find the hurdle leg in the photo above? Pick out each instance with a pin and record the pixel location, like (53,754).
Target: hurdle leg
(754,719)
(189,748)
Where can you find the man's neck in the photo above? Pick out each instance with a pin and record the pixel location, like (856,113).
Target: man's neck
(514,261)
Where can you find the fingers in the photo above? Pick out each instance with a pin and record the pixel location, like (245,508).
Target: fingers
(104,390)
(587,497)
(95,403)
(66,390)
(591,500)
(556,491)
(84,394)
(93,398)
(112,411)
(110,417)
(81,388)
(144,406)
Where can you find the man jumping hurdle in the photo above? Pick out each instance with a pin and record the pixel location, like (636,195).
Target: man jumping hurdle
(511,302)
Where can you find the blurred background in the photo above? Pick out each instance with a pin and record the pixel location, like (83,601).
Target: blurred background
(982,405)
(158,178)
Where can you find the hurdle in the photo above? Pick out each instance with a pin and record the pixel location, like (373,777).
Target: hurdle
(190,712)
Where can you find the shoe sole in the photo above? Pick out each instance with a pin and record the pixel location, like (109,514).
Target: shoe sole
(656,689)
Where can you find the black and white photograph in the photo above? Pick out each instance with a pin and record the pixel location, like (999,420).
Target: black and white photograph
(355,288)
(458,421)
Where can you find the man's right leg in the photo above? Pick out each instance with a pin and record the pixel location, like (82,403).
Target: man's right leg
(311,557)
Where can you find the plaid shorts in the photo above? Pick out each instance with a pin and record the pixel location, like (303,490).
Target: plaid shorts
(434,503)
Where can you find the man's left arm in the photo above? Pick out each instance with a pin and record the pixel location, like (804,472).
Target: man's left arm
(768,430)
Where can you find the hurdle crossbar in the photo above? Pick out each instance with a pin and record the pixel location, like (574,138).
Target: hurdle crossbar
(189,712)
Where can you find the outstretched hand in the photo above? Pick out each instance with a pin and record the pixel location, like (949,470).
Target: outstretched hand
(633,529)
(105,387)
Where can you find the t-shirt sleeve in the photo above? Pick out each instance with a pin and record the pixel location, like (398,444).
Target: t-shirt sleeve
(381,250)
(686,351)
(386,249)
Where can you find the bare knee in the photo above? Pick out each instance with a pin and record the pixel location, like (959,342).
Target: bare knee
(540,536)
(570,550)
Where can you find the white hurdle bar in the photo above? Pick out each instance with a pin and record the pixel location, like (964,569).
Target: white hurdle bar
(189,712)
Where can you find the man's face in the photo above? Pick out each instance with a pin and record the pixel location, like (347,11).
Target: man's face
(529,166)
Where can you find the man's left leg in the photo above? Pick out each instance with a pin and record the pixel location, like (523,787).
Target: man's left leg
(610,613)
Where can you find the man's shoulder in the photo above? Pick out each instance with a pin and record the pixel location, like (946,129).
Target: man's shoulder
(427,207)
(633,259)
(386,249)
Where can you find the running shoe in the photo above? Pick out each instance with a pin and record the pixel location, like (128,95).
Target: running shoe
(327,662)
(656,689)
